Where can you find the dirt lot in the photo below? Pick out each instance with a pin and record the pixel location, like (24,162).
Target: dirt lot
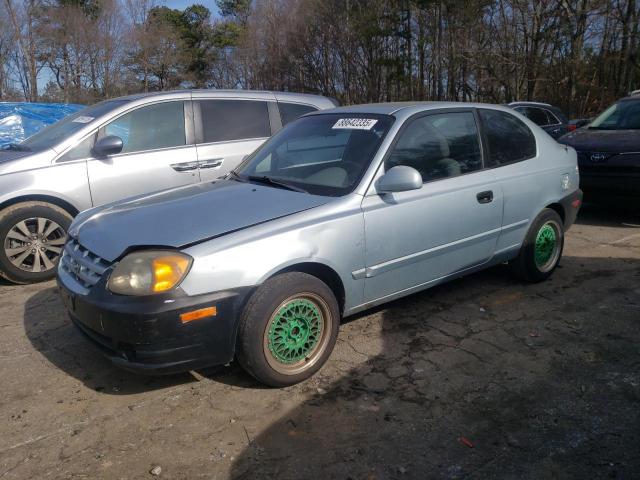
(480,378)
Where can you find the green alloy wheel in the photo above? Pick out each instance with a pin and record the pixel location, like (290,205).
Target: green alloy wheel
(288,329)
(542,248)
(297,333)
(546,248)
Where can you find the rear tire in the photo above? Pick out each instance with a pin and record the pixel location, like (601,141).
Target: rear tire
(542,248)
(288,329)
(32,236)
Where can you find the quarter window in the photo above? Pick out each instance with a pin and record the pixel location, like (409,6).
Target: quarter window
(508,138)
(80,151)
(291,111)
(225,120)
(553,120)
(536,115)
(439,146)
(160,125)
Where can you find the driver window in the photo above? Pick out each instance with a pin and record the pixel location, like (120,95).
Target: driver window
(439,146)
(160,125)
(631,119)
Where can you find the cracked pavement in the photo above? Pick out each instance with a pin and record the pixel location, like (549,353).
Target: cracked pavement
(483,377)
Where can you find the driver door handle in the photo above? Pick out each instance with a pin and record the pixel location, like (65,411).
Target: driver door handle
(211,163)
(485,197)
(185,166)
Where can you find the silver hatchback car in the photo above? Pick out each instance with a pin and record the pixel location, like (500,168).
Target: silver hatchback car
(340,211)
(124,147)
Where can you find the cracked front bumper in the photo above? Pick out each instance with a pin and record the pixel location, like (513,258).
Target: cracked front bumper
(146,335)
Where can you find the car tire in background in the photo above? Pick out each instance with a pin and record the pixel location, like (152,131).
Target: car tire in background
(32,236)
(542,248)
(288,329)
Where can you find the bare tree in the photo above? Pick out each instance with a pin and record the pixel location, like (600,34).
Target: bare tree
(23,22)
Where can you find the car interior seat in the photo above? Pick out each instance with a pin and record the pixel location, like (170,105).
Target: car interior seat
(424,148)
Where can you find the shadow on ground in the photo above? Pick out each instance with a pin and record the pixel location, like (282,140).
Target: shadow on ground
(472,385)
(480,378)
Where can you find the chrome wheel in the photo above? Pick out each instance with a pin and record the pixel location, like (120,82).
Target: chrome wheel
(547,246)
(35,244)
(297,333)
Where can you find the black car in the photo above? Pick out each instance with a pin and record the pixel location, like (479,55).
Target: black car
(609,149)
(578,123)
(549,118)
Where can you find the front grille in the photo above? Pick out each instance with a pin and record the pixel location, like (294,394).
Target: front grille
(595,158)
(83,266)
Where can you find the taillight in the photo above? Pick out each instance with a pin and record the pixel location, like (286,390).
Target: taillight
(571,128)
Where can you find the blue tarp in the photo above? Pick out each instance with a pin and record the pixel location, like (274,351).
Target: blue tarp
(21,120)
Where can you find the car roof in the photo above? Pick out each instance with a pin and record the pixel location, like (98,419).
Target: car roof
(527,103)
(630,98)
(213,92)
(405,108)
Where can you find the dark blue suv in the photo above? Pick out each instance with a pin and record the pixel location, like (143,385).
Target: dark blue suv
(609,149)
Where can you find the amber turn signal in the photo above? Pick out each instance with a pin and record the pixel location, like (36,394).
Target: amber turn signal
(168,270)
(198,314)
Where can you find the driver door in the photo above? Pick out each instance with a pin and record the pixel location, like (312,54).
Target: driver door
(156,154)
(451,224)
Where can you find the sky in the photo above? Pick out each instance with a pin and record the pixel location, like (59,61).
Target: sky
(182,4)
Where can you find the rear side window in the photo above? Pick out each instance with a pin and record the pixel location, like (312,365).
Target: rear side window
(290,111)
(508,139)
(148,128)
(225,120)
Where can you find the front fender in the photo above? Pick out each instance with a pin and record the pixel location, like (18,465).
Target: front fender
(250,257)
(68,183)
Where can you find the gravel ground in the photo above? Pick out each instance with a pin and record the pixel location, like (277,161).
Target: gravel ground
(481,378)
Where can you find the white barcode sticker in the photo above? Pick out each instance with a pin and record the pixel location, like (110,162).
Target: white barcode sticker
(82,119)
(355,123)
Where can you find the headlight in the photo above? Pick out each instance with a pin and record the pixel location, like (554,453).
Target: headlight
(149,272)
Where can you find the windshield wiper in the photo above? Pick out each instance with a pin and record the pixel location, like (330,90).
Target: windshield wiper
(235,175)
(276,183)
(17,147)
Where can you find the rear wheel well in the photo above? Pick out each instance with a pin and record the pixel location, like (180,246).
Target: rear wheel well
(324,273)
(66,206)
(559,209)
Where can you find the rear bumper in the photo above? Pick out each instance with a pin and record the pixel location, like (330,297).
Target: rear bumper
(619,183)
(146,335)
(571,205)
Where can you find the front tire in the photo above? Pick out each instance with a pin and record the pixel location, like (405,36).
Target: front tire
(542,248)
(32,236)
(288,329)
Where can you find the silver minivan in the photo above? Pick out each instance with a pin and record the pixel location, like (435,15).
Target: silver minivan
(125,147)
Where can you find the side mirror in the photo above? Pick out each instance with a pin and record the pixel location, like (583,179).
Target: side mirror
(109,145)
(399,179)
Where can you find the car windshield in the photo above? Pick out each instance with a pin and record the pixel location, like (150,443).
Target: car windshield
(50,136)
(324,154)
(623,115)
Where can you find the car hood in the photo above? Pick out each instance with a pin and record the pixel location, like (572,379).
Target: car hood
(12,161)
(613,141)
(8,155)
(184,216)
